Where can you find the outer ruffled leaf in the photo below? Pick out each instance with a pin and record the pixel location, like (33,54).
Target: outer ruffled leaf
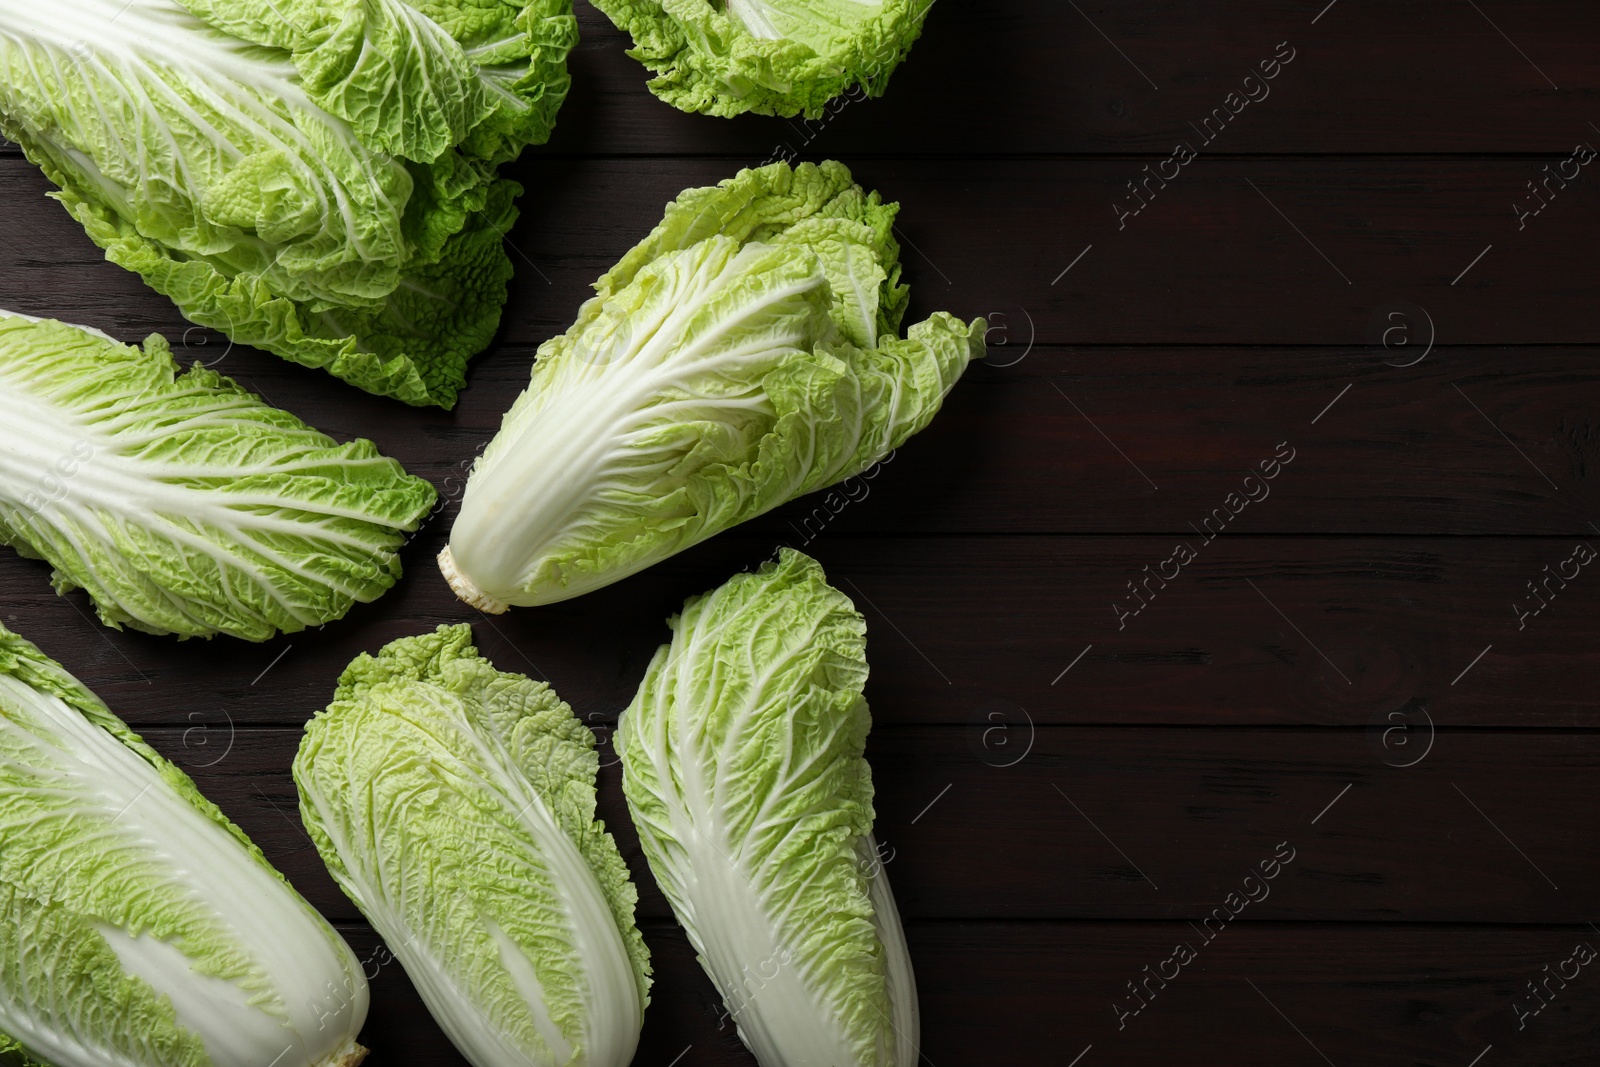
(182,503)
(815,204)
(519,48)
(455,804)
(743,768)
(772,57)
(413,344)
(12,1054)
(741,356)
(416,78)
(402,83)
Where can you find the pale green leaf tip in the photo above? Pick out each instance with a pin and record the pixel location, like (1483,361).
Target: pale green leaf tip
(771,59)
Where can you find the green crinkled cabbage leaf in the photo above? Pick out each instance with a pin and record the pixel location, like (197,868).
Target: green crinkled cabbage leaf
(455,804)
(740,356)
(313,177)
(180,502)
(138,925)
(12,1054)
(772,57)
(743,768)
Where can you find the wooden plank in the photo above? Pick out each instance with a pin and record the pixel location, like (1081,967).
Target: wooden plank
(1233,251)
(1468,440)
(1255,630)
(1279,689)
(1034,992)
(1117,823)
(1015,77)
(1053,440)
(1018,77)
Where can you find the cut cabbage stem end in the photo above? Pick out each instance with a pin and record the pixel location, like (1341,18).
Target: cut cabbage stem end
(465,589)
(349,1056)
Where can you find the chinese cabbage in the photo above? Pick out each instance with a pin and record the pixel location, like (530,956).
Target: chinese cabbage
(454,804)
(772,57)
(742,764)
(312,177)
(180,502)
(743,354)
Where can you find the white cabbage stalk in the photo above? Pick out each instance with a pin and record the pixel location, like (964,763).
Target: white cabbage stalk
(138,926)
(742,765)
(454,803)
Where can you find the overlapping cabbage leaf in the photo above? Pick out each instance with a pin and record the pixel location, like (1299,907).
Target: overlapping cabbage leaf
(741,355)
(772,57)
(180,502)
(742,764)
(313,177)
(138,926)
(455,804)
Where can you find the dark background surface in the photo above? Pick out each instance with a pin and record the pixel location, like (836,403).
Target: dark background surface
(1341,273)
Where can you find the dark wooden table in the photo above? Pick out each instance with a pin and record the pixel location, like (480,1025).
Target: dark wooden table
(1074,773)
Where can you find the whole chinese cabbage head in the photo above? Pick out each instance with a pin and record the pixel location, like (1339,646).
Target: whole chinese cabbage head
(743,354)
(742,761)
(316,178)
(180,502)
(772,57)
(455,804)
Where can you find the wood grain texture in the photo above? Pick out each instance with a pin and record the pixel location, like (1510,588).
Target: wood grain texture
(1257,630)
(1016,76)
(1340,271)
(1043,992)
(1299,251)
(1117,823)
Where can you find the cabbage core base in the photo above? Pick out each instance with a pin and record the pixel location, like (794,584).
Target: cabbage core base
(465,589)
(349,1056)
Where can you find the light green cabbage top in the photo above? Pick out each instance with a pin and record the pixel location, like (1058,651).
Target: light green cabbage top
(740,356)
(138,926)
(773,57)
(742,765)
(180,502)
(455,804)
(313,177)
